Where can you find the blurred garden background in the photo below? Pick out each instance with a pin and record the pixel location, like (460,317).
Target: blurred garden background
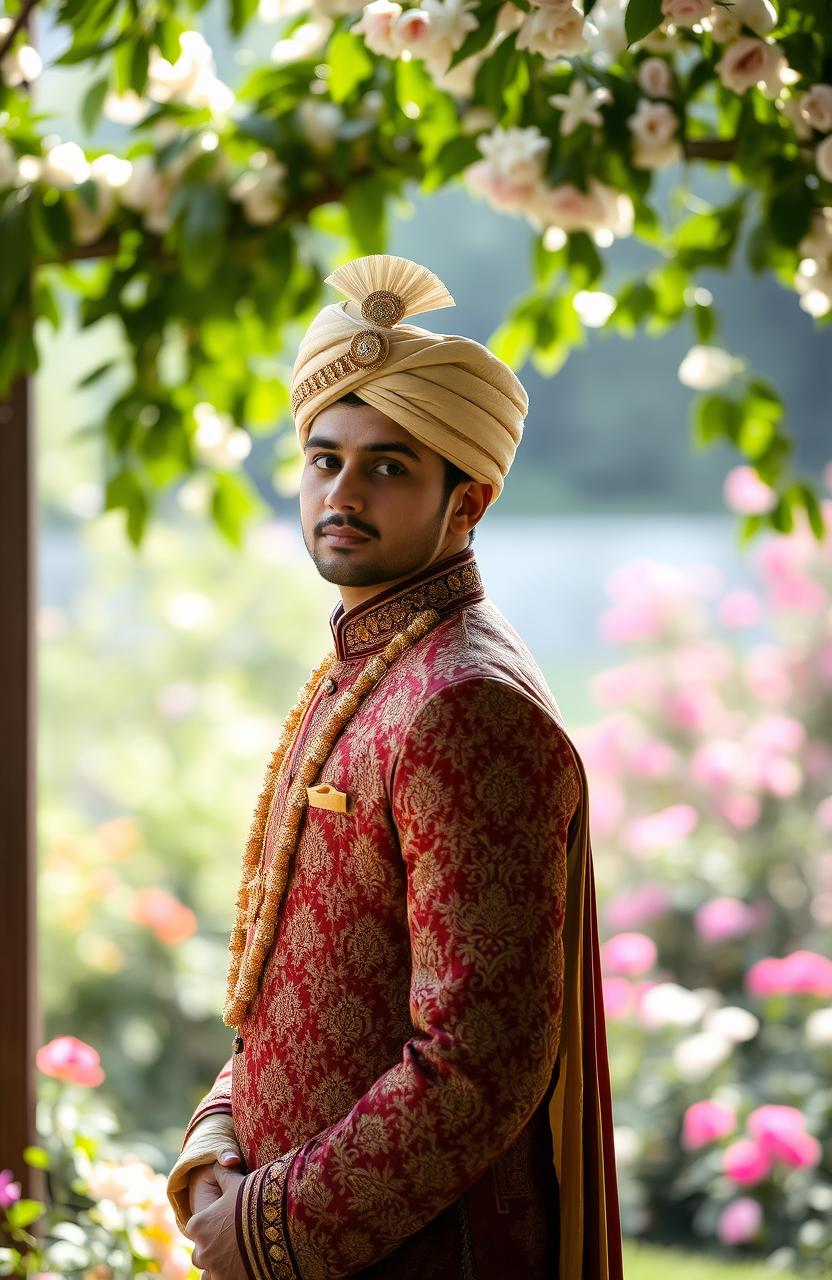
(693,667)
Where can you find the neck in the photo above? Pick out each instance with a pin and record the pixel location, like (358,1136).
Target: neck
(351,597)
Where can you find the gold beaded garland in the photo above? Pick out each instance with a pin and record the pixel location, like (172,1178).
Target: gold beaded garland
(259,897)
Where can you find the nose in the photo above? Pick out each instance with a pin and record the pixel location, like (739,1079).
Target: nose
(344,492)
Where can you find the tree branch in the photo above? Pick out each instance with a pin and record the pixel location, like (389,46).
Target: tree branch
(723,149)
(17,24)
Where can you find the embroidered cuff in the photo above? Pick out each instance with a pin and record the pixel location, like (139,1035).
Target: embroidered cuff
(216,1107)
(262,1225)
(205,1145)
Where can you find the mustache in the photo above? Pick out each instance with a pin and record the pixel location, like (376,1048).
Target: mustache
(338,522)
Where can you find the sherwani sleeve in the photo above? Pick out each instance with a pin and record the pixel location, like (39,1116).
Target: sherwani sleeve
(482,794)
(210,1131)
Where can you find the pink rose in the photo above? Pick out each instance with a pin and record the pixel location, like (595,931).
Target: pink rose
(9,1189)
(740,810)
(724,918)
(781,1133)
(740,608)
(746,493)
(638,906)
(169,919)
(739,1221)
(707,1121)
(749,61)
(746,1163)
(655,78)
(816,107)
(618,997)
(656,831)
(686,13)
(628,953)
(71,1060)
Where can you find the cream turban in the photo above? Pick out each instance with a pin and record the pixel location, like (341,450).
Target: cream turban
(450,392)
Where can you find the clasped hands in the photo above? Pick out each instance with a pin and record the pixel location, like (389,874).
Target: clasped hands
(211,1226)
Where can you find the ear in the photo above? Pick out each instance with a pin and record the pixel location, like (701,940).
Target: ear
(468,508)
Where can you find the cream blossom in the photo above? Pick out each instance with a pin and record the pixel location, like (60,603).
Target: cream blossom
(303,41)
(553,32)
(823,159)
(376,26)
(790,106)
(599,209)
(750,61)
(512,168)
(451,20)
(816,107)
(705,368)
(191,78)
(817,242)
(65,166)
(21,65)
(759,16)
(723,25)
(149,191)
(109,174)
(320,123)
(652,123)
(655,78)
(579,105)
(125,108)
(260,190)
(686,13)
(604,31)
(413,30)
(458,80)
(648,155)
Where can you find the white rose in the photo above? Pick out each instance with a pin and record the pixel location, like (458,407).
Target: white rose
(320,122)
(604,31)
(698,1056)
(517,154)
(791,110)
(376,26)
(749,61)
(655,78)
(259,190)
(653,123)
(685,13)
(758,15)
(723,26)
(656,156)
(451,20)
(706,368)
(554,33)
(125,108)
(599,208)
(817,243)
(65,166)
(21,66)
(816,107)
(412,30)
(823,159)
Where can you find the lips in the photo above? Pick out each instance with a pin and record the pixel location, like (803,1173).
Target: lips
(344,537)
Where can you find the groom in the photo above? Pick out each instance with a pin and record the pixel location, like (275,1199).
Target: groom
(419,1082)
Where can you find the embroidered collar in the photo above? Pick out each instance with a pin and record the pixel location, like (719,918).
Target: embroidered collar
(445,586)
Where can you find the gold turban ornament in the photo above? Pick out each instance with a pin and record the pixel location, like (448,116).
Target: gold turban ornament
(448,391)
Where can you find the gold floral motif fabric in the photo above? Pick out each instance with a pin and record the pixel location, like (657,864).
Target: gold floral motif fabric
(404,1037)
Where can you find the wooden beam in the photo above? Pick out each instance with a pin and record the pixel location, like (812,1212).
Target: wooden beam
(20,1032)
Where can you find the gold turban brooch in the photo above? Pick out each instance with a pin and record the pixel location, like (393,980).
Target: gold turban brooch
(450,392)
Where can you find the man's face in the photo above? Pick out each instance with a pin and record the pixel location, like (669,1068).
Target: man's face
(372,500)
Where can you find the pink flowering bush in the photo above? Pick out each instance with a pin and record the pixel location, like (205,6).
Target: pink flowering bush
(710,776)
(105,1213)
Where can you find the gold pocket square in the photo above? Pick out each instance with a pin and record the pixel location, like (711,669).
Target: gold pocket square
(326,797)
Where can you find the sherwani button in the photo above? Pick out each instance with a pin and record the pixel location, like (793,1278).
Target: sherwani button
(331,685)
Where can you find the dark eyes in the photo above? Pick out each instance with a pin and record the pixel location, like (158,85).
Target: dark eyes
(323,460)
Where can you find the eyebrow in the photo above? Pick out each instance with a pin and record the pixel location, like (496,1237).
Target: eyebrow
(394,446)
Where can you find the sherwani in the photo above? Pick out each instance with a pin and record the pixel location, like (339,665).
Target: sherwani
(390,1094)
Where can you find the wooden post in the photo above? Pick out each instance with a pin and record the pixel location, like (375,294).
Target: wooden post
(18,1032)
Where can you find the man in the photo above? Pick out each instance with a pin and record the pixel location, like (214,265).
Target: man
(419,1083)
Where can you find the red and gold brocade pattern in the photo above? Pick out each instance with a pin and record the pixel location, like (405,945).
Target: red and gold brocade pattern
(391,1098)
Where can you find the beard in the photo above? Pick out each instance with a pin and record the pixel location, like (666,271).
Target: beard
(374,565)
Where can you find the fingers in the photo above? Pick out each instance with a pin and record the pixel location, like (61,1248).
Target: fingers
(230,1158)
(204,1193)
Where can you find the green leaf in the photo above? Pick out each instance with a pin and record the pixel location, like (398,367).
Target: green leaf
(715,418)
(92,103)
(349,64)
(512,341)
(782,517)
(750,526)
(755,436)
(478,38)
(790,212)
(642,17)
(23,1212)
(584,260)
(232,502)
(14,237)
(202,235)
(589,5)
(139,61)
(704,322)
(46,302)
(242,12)
(365,201)
(814,512)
